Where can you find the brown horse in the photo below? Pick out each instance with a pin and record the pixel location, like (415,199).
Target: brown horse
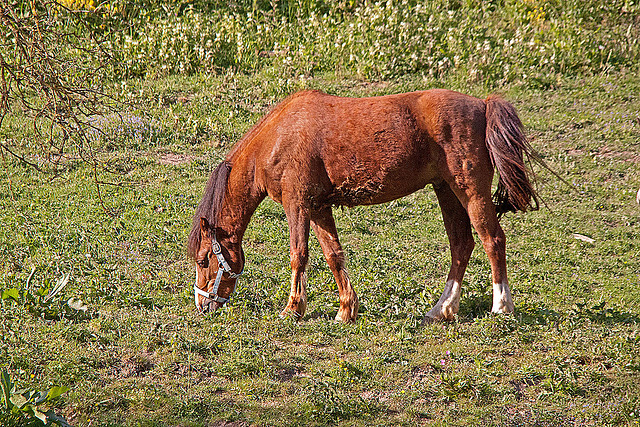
(314,151)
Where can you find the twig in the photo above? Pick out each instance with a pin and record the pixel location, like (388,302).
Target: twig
(106,210)
(58,93)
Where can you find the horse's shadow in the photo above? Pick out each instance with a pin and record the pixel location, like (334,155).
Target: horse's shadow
(478,305)
(599,313)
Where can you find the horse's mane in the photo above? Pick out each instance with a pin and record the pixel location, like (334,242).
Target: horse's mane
(210,204)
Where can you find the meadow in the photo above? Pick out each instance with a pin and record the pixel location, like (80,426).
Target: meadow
(96,292)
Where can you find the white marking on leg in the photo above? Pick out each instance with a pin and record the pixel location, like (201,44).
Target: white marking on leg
(502,301)
(297,296)
(448,304)
(350,302)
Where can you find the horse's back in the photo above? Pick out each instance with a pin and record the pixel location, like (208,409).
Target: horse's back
(350,151)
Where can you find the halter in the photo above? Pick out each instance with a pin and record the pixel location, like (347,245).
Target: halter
(222,268)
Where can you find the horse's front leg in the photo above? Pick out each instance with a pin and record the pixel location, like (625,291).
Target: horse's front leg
(325,228)
(298,219)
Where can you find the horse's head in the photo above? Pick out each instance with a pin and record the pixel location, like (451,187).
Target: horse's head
(217,270)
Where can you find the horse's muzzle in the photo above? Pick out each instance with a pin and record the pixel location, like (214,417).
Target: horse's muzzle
(209,306)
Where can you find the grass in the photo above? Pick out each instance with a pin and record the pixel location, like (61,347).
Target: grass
(103,305)
(140,355)
(506,41)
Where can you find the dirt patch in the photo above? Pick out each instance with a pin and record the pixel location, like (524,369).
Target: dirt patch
(174,159)
(133,366)
(230,424)
(176,98)
(421,374)
(576,153)
(376,396)
(607,152)
(286,374)
(517,416)
(522,384)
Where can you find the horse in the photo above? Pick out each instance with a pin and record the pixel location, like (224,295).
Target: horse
(314,151)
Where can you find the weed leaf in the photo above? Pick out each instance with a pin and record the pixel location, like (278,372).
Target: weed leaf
(41,416)
(11,293)
(56,392)
(583,238)
(18,400)
(5,382)
(60,283)
(77,304)
(53,418)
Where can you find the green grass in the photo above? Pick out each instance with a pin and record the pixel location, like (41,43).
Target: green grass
(498,41)
(140,355)
(122,333)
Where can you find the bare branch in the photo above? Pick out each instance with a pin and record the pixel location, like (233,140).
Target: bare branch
(53,63)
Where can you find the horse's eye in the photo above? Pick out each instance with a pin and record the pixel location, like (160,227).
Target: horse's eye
(202,263)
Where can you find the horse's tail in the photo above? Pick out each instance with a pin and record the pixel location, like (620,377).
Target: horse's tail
(507,144)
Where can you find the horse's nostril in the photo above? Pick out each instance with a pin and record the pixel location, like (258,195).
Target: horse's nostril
(208,307)
(204,307)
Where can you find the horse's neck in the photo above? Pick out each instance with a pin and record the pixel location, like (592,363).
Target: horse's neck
(241,200)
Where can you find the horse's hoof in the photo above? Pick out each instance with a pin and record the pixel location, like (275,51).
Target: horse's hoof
(288,313)
(347,315)
(344,319)
(427,320)
(502,310)
(503,307)
(446,313)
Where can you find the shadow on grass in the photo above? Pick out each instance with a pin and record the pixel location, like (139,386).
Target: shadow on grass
(596,314)
(474,305)
(599,314)
(477,305)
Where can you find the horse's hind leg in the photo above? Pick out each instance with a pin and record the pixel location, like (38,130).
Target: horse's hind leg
(485,221)
(325,228)
(298,219)
(458,226)
(493,241)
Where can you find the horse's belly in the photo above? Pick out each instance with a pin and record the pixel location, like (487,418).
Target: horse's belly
(370,187)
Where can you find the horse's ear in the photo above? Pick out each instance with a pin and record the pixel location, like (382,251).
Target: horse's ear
(204,227)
